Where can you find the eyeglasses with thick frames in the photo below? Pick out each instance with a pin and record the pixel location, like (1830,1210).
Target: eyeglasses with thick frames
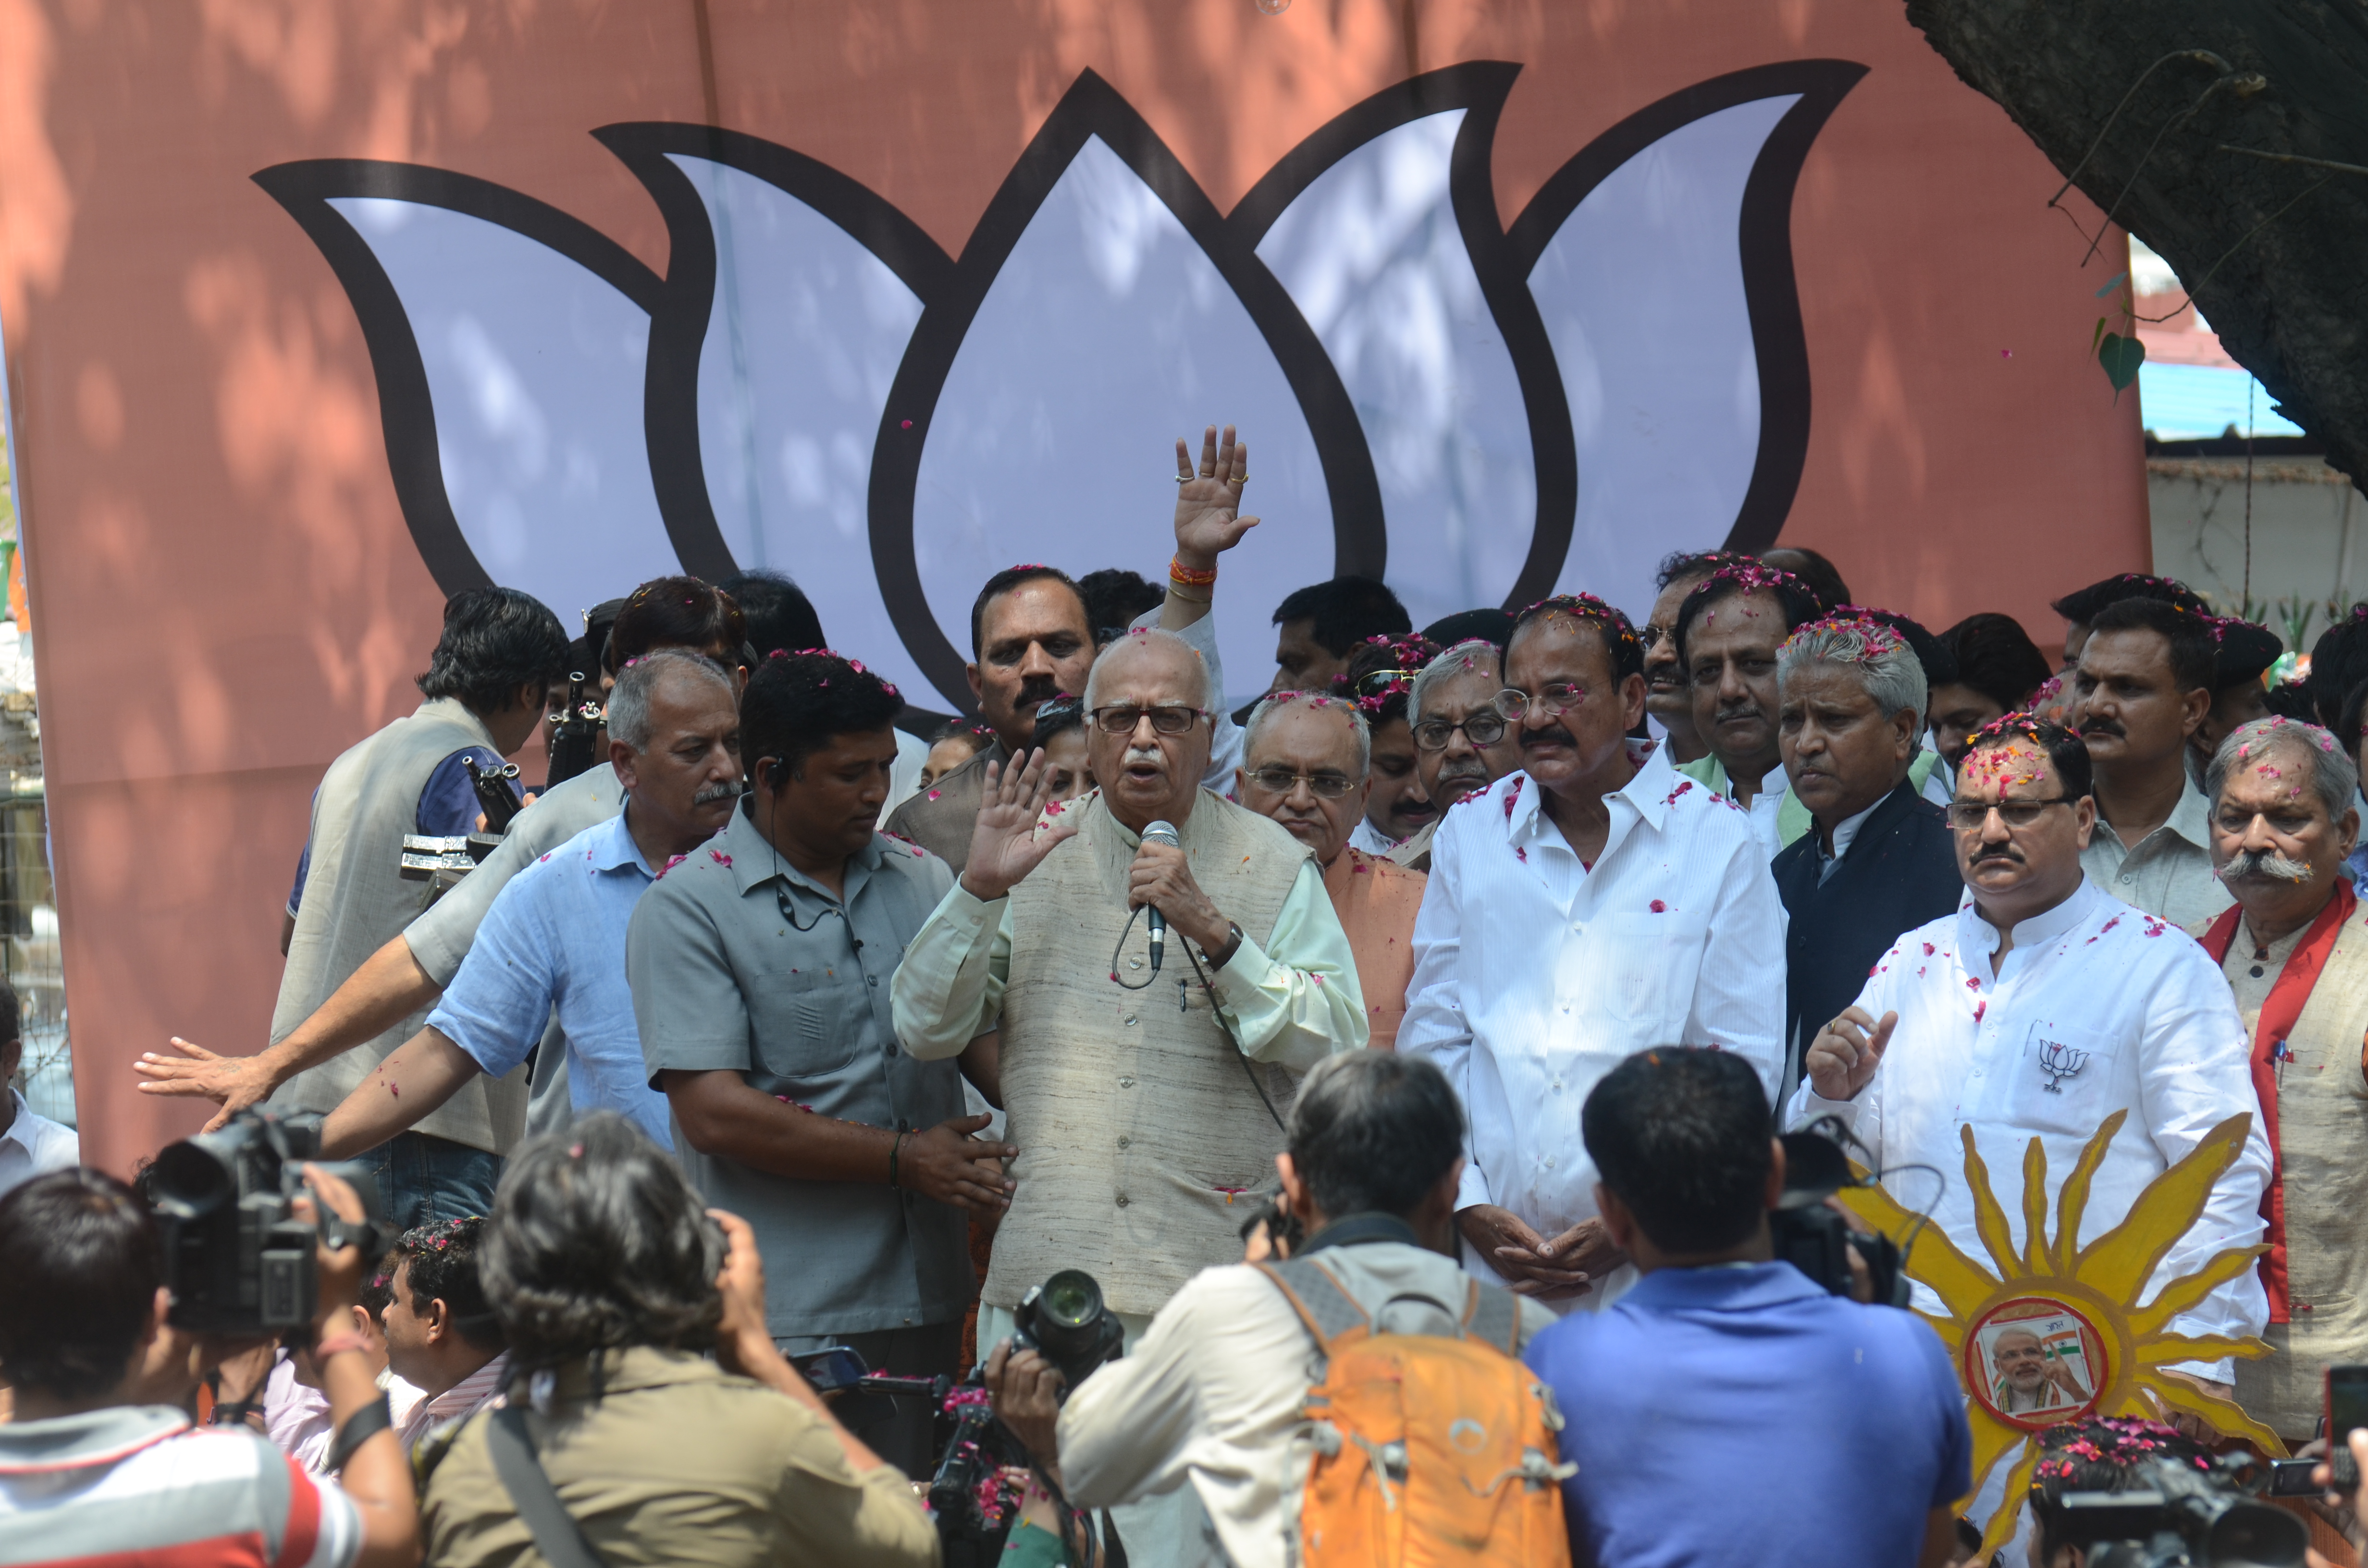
(1550,702)
(1282,781)
(1167,718)
(1484,728)
(1966,816)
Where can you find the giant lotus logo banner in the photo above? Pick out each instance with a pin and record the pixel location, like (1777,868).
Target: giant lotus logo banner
(1482,412)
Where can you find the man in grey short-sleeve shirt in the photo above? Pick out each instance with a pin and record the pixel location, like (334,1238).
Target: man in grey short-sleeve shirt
(761,969)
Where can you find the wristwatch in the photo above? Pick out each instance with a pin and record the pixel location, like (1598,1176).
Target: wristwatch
(1224,956)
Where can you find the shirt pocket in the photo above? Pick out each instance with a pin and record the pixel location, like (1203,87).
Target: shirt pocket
(811,1021)
(1641,971)
(2061,1079)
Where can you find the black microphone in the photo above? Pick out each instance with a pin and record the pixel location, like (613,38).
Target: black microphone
(1159,832)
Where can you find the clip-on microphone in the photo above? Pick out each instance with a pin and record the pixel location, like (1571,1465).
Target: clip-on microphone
(1159,832)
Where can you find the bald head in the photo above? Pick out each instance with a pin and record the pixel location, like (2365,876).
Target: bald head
(1156,657)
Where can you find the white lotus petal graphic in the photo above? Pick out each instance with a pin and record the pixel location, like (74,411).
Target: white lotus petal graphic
(1107,333)
(803,342)
(1641,293)
(534,369)
(1370,254)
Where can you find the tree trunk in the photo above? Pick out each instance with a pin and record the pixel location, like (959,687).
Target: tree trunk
(2275,255)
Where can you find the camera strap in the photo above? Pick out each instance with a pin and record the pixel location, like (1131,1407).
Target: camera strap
(557,1536)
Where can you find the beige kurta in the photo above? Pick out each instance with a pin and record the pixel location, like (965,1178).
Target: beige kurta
(1139,1127)
(2322,1126)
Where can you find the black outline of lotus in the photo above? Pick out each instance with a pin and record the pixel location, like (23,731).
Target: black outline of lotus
(951,289)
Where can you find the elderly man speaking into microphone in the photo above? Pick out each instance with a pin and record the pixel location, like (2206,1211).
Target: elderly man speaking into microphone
(1145,1087)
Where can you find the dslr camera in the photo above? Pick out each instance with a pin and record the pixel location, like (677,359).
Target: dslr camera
(236,1258)
(1819,1242)
(2177,1515)
(1066,1322)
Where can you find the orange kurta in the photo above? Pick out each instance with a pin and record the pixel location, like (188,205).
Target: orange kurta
(1375,899)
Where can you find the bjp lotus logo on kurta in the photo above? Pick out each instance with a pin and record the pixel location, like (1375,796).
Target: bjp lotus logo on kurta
(815,384)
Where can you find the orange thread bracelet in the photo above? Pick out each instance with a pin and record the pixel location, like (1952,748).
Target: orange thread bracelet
(1179,573)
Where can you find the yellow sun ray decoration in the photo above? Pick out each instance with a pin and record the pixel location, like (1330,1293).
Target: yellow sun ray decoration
(2095,1350)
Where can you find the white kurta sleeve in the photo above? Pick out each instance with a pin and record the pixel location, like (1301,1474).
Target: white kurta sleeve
(947,988)
(1435,1027)
(2194,1072)
(1296,1000)
(1742,969)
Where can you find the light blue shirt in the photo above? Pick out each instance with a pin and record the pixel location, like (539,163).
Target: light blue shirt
(555,936)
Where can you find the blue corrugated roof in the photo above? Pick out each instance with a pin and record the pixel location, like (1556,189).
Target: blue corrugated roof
(2180,403)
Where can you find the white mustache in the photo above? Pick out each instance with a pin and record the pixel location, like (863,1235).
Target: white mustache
(2265,863)
(710,793)
(1146,755)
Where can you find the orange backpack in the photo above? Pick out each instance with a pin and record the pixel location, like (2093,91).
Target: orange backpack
(1423,1448)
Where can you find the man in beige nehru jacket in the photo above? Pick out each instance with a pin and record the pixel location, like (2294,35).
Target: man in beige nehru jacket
(2295,949)
(1144,1103)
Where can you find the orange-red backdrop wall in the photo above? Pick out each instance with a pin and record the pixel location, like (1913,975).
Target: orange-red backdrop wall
(224,593)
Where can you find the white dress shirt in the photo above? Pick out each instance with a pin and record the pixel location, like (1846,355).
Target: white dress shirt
(1371,839)
(2162,1041)
(34,1144)
(1535,975)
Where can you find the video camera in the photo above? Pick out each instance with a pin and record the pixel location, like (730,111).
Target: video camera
(2183,1517)
(971,1496)
(236,1258)
(1819,1242)
(574,732)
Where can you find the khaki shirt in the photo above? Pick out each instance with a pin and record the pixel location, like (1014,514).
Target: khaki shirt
(2168,873)
(679,1462)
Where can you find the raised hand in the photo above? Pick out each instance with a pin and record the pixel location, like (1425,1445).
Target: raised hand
(1004,844)
(1208,505)
(1846,1051)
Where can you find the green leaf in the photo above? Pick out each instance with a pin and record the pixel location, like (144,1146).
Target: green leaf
(2121,357)
(2098,336)
(2113,285)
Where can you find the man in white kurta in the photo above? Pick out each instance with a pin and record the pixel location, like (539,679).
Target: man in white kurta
(1592,905)
(2040,1008)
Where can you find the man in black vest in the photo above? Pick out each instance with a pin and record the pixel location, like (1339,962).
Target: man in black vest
(1881,860)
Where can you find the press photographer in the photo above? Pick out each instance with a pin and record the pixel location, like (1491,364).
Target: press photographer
(1213,1393)
(1722,1355)
(100,1463)
(610,1282)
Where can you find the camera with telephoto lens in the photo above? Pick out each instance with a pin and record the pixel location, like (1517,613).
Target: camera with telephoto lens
(2178,1515)
(236,1258)
(1819,1242)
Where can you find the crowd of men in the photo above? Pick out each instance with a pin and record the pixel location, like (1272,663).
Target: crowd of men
(929,1011)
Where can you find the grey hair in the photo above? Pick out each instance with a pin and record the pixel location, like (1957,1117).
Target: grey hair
(1207,698)
(1885,666)
(629,704)
(1267,707)
(2333,774)
(1455,660)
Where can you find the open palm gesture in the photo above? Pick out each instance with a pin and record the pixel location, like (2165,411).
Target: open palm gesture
(1207,505)
(1003,845)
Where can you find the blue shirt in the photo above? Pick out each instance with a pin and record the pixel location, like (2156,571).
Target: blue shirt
(1729,1412)
(447,809)
(555,936)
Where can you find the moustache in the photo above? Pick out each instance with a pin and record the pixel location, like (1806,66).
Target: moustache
(2006,852)
(1151,756)
(1552,735)
(2265,863)
(1728,712)
(2102,727)
(710,793)
(1035,691)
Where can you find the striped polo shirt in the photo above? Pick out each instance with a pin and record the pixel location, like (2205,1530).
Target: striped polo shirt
(138,1484)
